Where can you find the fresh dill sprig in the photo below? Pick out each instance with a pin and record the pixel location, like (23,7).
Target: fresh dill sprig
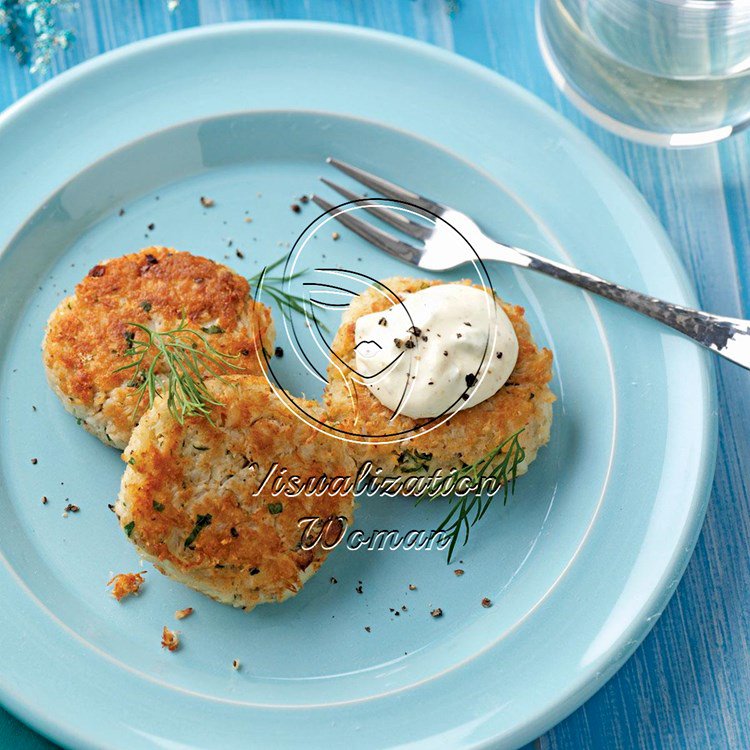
(274,286)
(498,467)
(189,359)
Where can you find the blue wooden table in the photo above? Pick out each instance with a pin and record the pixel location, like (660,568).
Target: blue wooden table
(688,685)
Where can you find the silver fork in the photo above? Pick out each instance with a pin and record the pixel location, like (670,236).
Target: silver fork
(436,251)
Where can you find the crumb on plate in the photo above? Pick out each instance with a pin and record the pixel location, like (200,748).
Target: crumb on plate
(125,584)
(169,639)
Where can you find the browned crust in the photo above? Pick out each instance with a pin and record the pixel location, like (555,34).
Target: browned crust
(253,430)
(86,334)
(523,402)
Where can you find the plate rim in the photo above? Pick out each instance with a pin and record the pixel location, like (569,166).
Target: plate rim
(632,636)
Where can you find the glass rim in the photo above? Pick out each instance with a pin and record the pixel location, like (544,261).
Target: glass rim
(706,4)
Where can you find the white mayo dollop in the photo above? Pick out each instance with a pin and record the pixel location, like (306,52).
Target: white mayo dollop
(444,348)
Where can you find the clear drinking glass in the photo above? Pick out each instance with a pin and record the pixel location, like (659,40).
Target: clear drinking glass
(664,72)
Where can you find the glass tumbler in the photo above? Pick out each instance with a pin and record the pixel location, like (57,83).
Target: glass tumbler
(664,72)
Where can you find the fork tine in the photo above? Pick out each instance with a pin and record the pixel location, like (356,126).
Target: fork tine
(389,216)
(385,241)
(389,189)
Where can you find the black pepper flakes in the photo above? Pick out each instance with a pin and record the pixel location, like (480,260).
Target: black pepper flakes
(382,322)
(234,532)
(333,580)
(151,227)
(35,461)
(70,508)
(239,254)
(368,628)
(44,500)
(471,379)
(278,352)
(437,612)
(295,207)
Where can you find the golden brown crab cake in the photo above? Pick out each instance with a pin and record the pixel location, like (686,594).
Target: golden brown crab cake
(88,333)
(523,403)
(193,498)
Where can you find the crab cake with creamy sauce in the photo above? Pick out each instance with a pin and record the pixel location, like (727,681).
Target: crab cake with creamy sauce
(88,334)
(195,498)
(523,401)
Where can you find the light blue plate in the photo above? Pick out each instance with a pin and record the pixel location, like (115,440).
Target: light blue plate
(579,564)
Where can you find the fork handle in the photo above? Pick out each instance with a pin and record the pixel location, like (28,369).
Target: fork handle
(729,337)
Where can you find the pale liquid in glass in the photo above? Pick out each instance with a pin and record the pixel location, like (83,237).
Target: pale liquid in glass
(681,85)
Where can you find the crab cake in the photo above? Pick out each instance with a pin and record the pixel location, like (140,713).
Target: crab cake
(195,500)
(88,334)
(523,403)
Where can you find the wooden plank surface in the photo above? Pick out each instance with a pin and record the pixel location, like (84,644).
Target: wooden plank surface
(688,685)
